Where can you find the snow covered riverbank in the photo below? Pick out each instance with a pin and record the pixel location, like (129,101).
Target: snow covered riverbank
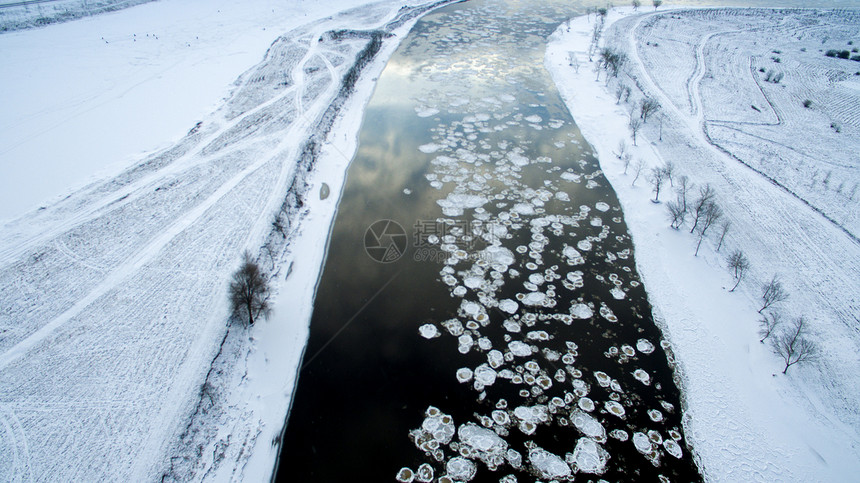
(115,296)
(745,420)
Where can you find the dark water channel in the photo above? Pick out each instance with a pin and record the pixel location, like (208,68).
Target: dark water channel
(495,328)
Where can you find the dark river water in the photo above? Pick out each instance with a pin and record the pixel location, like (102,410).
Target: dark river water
(479,316)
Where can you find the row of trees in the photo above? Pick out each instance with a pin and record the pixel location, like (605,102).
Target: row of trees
(789,340)
(698,206)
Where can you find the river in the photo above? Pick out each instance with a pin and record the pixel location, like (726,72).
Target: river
(479,314)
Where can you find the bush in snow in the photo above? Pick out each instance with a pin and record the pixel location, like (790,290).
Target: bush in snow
(647,107)
(249,290)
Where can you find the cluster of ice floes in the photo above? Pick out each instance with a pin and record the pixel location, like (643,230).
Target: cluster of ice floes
(519,273)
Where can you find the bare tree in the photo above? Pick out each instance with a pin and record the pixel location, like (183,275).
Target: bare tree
(635,126)
(669,169)
(636,4)
(637,170)
(706,196)
(611,60)
(793,347)
(657,177)
(712,214)
(677,214)
(724,230)
(619,92)
(625,160)
(657,4)
(622,149)
(684,187)
(249,290)
(574,60)
(739,264)
(772,293)
(647,107)
(767,325)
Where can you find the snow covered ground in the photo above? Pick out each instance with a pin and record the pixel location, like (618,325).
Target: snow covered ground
(86,99)
(114,297)
(746,421)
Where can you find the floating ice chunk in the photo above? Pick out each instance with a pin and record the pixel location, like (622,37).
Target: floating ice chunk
(614,408)
(590,457)
(464,374)
(523,209)
(602,378)
(644,346)
(673,448)
(576,279)
(470,308)
(619,434)
(555,123)
(428,331)
(534,118)
(483,441)
(465,343)
(607,314)
(497,255)
(507,98)
(541,335)
(406,475)
(520,349)
(534,298)
(517,159)
(548,465)
(485,344)
(429,148)
(562,196)
(586,404)
(460,468)
(628,350)
(583,245)
(581,311)
(655,415)
(424,111)
(508,305)
(533,414)
(642,376)
(438,425)
(596,221)
(617,293)
(568,176)
(588,425)
(456,203)
(602,206)
(495,358)
(453,326)
(512,326)
(459,291)
(424,473)
(514,458)
(485,375)
(641,442)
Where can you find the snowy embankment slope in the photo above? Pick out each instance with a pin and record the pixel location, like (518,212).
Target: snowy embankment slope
(745,420)
(115,297)
(88,98)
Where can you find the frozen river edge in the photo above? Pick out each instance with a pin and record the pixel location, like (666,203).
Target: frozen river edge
(745,420)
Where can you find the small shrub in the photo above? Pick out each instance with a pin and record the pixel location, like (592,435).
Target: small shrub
(855,58)
(831,53)
(844,54)
(807,103)
(761,69)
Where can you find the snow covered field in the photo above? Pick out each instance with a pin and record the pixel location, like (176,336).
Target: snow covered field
(114,297)
(746,420)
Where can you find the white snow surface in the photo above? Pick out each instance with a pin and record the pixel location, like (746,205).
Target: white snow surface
(115,296)
(86,99)
(745,420)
